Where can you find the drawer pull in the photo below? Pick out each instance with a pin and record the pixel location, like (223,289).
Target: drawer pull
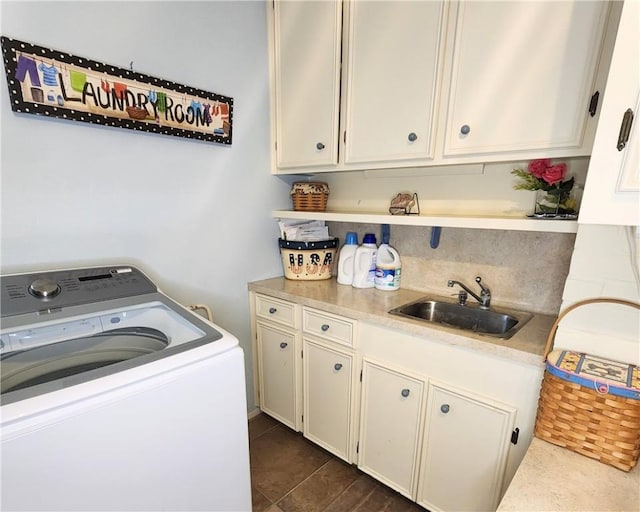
(283,345)
(412,137)
(272,310)
(338,366)
(405,392)
(465,129)
(319,146)
(444,408)
(325,327)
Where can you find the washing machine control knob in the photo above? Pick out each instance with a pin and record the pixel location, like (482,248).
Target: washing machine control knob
(44,288)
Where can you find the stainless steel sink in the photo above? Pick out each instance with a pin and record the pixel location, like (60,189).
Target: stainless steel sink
(497,322)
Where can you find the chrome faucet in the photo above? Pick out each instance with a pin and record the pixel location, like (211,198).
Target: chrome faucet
(485,294)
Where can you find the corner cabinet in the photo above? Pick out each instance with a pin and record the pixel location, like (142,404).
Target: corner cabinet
(522,76)
(612,189)
(371,85)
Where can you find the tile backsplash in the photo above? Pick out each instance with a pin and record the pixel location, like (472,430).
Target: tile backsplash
(524,270)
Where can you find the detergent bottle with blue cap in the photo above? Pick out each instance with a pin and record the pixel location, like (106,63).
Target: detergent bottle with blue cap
(364,263)
(346,258)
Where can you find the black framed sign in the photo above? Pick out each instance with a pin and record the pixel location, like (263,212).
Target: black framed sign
(51,83)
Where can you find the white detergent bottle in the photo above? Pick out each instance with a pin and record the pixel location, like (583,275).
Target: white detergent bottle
(388,267)
(346,259)
(364,263)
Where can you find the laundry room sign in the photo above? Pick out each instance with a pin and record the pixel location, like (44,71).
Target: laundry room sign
(51,83)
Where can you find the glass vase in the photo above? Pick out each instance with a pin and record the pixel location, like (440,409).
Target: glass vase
(557,203)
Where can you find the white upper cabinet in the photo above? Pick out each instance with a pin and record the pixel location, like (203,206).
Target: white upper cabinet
(522,76)
(394,55)
(360,84)
(306,66)
(612,190)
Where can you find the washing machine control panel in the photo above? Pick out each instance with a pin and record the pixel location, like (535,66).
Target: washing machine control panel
(46,291)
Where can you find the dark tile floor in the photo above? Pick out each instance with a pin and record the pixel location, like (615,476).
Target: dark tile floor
(291,474)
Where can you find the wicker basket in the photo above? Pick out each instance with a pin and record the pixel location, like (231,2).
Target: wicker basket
(310,196)
(598,417)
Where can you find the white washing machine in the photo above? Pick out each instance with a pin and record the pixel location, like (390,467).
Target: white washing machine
(115,397)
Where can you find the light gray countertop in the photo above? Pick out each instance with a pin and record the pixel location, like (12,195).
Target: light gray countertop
(554,478)
(372,306)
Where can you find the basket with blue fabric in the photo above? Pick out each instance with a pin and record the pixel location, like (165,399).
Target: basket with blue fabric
(590,404)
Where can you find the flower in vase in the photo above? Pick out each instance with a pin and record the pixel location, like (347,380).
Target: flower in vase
(549,178)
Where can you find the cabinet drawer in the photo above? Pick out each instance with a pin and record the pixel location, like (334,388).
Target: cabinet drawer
(276,310)
(329,327)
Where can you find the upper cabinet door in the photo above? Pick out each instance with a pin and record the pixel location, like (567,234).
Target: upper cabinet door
(522,76)
(611,193)
(307,46)
(394,57)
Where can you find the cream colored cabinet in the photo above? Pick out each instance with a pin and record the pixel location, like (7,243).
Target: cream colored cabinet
(465,450)
(392,80)
(612,189)
(373,85)
(391,414)
(329,381)
(328,397)
(277,360)
(306,38)
(522,76)
(278,364)
(475,404)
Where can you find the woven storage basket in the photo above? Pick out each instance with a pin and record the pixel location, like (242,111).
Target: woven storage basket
(586,412)
(310,196)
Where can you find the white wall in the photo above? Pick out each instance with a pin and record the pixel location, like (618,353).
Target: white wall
(195,216)
(602,265)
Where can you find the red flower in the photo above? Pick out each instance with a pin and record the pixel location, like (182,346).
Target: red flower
(554,174)
(538,167)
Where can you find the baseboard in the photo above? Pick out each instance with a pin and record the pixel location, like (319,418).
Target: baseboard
(252,414)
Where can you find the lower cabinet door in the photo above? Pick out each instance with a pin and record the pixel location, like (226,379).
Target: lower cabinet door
(390,426)
(465,450)
(328,396)
(278,375)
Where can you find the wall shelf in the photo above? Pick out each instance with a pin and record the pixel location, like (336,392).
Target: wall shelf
(449,221)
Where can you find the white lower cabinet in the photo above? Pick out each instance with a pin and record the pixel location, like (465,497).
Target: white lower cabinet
(465,450)
(277,373)
(390,425)
(328,397)
(444,426)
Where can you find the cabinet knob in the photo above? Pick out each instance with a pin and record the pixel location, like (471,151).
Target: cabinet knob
(325,327)
(465,129)
(338,366)
(444,408)
(405,392)
(283,345)
(412,137)
(319,146)
(272,310)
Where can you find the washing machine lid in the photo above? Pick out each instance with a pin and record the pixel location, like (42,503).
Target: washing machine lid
(54,354)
